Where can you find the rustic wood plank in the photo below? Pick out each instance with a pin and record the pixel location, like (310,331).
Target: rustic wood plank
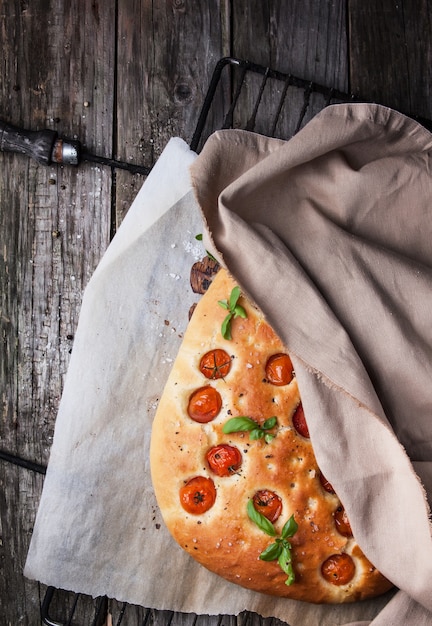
(167,53)
(307,39)
(391,53)
(19,493)
(49,216)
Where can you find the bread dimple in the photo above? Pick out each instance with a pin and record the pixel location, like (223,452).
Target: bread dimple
(224,539)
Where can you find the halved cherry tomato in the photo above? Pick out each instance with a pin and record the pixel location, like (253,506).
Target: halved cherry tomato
(299,422)
(338,569)
(342,523)
(268,504)
(279,369)
(215,364)
(224,459)
(204,404)
(198,495)
(325,483)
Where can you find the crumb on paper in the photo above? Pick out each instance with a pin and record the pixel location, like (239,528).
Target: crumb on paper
(152,404)
(193,248)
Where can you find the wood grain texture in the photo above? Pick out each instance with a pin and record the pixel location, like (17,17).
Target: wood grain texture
(55,74)
(307,39)
(166,55)
(391,53)
(123,76)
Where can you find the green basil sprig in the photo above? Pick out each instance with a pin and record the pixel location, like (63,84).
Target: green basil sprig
(280,549)
(234,310)
(247,424)
(260,520)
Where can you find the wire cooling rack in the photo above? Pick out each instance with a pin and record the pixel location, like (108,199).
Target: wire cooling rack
(260,99)
(242,95)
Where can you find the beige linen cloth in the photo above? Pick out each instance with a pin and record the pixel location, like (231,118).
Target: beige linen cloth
(330,234)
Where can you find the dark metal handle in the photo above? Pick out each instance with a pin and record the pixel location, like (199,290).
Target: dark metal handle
(46,147)
(36,144)
(42,145)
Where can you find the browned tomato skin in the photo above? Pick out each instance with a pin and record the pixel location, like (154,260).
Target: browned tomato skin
(299,422)
(224,460)
(204,404)
(325,484)
(338,569)
(198,495)
(215,364)
(342,523)
(279,369)
(268,504)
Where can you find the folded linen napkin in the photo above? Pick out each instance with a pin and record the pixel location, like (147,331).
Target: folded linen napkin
(98,530)
(330,234)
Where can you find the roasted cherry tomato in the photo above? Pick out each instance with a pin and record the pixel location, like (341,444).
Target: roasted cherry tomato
(224,460)
(338,569)
(325,483)
(342,523)
(268,504)
(204,404)
(299,422)
(279,369)
(198,495)
(215,364)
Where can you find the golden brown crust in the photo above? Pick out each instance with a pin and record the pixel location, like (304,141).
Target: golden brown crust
(224,539)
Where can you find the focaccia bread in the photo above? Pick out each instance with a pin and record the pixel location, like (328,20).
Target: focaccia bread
(245,497)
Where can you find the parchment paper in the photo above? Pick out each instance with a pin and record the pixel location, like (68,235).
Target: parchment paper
(98,530)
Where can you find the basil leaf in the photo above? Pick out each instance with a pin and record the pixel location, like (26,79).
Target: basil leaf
(258,518)
(291,577)
(235,295)
(290,528)
(270,423)
(268,437)
(239,311)
(226,327)
(289,571)
(235,310)
(199,237)
(239,424)
(272,552)
(256,433)
(285,563)
(284,560)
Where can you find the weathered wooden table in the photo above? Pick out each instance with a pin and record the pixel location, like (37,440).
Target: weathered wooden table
(123,76)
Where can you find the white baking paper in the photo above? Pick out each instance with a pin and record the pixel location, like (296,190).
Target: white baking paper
(98,530)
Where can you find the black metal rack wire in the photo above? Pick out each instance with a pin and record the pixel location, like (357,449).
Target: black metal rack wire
(262,100)
(241,94)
